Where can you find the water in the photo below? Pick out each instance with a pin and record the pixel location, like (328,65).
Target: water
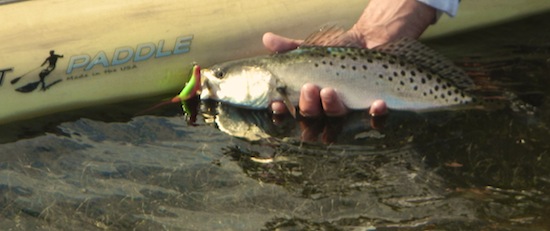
(104,168)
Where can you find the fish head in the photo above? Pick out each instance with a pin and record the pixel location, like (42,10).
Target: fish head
(239,83)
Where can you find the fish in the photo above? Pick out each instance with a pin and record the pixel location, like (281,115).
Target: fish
(406,74)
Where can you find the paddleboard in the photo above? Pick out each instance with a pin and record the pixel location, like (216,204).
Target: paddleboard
(64,54)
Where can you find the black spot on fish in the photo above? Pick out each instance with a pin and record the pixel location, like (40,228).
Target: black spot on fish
(390,79)
(369,60)
(413,73)
(385,66)
(354,68)
(364,67)
(429,76)
(316,65)
(403,73)
(449,93)
(443,95)
(392,61)
(402,83)
(411,80)
(395,74)
(436,88)
(324,62)
(343,66)
(425,94)
(380,76)
(456,99)
(420,70)
(423,80)
(342,57)
(330,63)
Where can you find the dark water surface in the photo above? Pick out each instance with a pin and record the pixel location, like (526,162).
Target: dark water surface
(104,168)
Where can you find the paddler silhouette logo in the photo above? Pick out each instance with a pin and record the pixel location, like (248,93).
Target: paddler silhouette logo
(30,87)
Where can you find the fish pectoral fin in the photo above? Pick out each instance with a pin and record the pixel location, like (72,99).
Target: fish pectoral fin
(286,101)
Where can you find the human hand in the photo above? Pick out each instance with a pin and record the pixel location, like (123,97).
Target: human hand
(382,21)
(313,100)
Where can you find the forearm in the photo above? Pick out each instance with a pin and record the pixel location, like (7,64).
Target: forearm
(383,21)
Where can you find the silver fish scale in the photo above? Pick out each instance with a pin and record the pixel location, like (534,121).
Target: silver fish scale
(361,76)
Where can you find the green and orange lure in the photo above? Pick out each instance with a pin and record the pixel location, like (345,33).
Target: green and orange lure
(191,87)
(190,90)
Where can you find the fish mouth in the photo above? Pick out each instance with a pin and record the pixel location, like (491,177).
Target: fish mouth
(207,86)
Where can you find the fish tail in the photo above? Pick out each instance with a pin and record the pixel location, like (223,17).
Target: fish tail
(494,95)
(519,105)
(505,100)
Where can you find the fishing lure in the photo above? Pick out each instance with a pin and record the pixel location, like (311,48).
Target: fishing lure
(190,89)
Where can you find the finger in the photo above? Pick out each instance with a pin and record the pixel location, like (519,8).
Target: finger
(277,43)
(278,108)
(378,108)
(332,130)
(332,104)
(310,102)
(311,129)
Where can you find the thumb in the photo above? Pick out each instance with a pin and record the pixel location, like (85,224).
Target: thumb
(277,43)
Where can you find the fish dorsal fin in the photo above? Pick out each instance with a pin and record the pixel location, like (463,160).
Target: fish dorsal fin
(420,54)
(331,36)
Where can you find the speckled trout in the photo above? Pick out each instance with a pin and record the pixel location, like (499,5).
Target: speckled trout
(406,75)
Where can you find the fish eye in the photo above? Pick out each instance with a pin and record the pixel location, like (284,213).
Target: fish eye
(219,74)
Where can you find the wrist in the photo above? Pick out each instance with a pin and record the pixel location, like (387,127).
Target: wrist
(385,21)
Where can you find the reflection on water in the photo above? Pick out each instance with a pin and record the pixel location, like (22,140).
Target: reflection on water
(447,170)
